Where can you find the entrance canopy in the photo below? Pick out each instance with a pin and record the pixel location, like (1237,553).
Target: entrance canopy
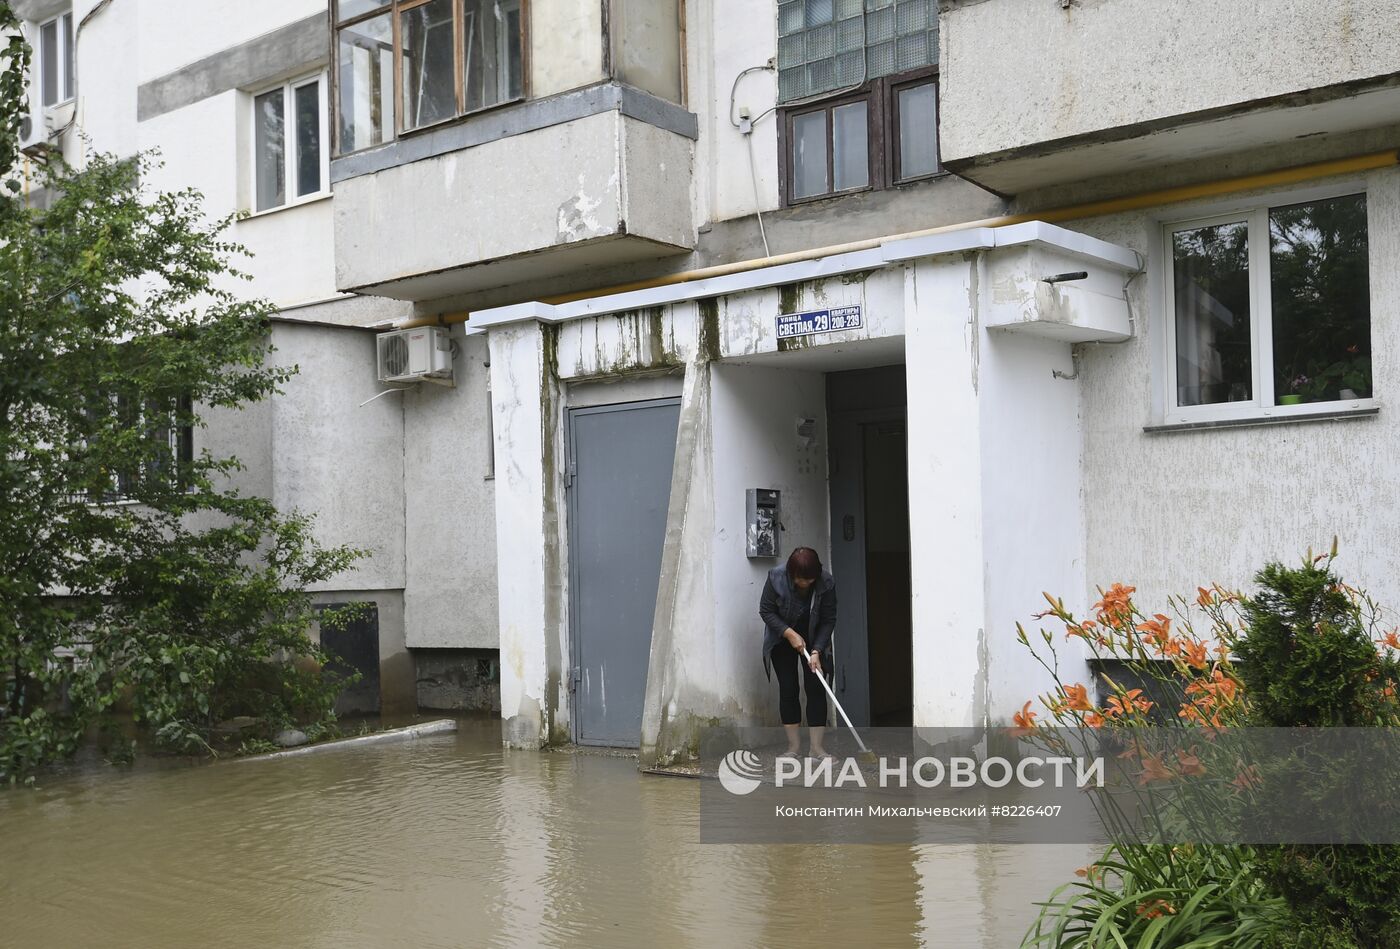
(981,317)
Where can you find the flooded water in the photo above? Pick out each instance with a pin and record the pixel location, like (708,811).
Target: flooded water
(452,841)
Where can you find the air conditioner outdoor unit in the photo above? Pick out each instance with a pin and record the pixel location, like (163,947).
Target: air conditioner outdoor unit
(33,134)
(415,355)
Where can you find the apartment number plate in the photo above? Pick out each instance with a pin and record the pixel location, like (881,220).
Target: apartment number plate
(818,321)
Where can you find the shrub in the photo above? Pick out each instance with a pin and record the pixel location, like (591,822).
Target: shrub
(1302,651)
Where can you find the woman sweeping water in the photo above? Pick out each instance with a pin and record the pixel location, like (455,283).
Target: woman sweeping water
(798,607)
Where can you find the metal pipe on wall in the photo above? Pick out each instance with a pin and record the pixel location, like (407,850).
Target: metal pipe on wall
(1147,199)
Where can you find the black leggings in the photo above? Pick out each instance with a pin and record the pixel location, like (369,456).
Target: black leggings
(786,662)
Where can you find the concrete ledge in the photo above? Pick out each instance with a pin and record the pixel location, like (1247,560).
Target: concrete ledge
(517,119)
(297,46)
(441,726)
(1254,421)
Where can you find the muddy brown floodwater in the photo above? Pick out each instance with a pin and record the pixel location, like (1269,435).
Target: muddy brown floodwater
(452,841)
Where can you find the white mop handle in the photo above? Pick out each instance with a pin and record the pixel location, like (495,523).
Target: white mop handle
(844,717)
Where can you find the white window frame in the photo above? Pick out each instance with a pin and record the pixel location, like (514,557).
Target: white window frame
(1255,214)
(289,157)
(65,91)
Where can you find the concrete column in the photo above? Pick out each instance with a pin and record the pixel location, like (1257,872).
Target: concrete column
(530,543)
(684,624)
(942,344)
(994,492)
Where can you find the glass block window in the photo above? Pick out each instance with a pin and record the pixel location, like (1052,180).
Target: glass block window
(826,45)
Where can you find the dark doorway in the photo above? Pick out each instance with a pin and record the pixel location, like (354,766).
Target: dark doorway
(870,546)
(353,639)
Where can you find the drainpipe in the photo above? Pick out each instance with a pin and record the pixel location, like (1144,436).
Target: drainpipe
(1147,199)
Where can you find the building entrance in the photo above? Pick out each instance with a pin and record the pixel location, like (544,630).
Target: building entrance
(870,544)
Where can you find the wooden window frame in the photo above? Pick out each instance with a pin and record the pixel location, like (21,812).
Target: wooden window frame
(395,10)
(895,88)
(882,133)
(828,107)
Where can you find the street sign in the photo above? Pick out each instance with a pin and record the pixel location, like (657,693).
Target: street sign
(818,321)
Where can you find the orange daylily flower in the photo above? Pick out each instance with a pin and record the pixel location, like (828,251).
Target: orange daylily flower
(1153,769)
(1190,764)
(1247,778)
(1131,701)
(1158,630)
(1195,655)
(1093,720)
(1115,605)
(1392,639)
(1078,697)
(1204,597)
(1024,719)
(1154,908)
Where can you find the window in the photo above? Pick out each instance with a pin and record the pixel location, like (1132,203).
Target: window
(408,64)
(166,444)
(1270,310)
(874,60)
(884,133)
(55,60)
(289,155)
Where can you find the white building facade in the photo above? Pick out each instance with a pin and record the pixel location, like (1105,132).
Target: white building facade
(979,298)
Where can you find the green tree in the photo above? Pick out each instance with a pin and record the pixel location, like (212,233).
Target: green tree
(117,334)
(14,68)
(1309,659)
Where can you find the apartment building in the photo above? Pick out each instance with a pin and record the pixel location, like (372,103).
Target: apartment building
(603,307)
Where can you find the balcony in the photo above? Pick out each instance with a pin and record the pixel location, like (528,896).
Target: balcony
(1037,94)
(593,177)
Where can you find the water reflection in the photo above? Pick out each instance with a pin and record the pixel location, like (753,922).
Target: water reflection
(455,842)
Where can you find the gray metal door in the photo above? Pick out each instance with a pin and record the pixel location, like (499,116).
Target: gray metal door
(620,464)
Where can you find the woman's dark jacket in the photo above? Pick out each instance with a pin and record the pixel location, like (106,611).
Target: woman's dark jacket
(781,605)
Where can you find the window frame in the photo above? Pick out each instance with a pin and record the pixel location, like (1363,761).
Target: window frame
(882,133)
(1254,213)
(395,9)
(290,147)
(828,106)
(123,485)
(929,78)
(65,75)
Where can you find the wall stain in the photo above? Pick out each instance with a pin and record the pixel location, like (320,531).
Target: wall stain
(789,298)
(708,341)
(552,724)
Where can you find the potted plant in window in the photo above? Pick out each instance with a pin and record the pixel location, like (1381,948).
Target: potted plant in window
(1297,386)
(1345,379)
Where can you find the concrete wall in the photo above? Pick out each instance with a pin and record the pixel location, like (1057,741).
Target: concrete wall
(1019,72)
(336,458)
(450,521)
(458,679)
(1032,511)
(531,549)
(646,45)
(604,176)
(754,416)
(566,45)
(1168,512)
(175,33)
